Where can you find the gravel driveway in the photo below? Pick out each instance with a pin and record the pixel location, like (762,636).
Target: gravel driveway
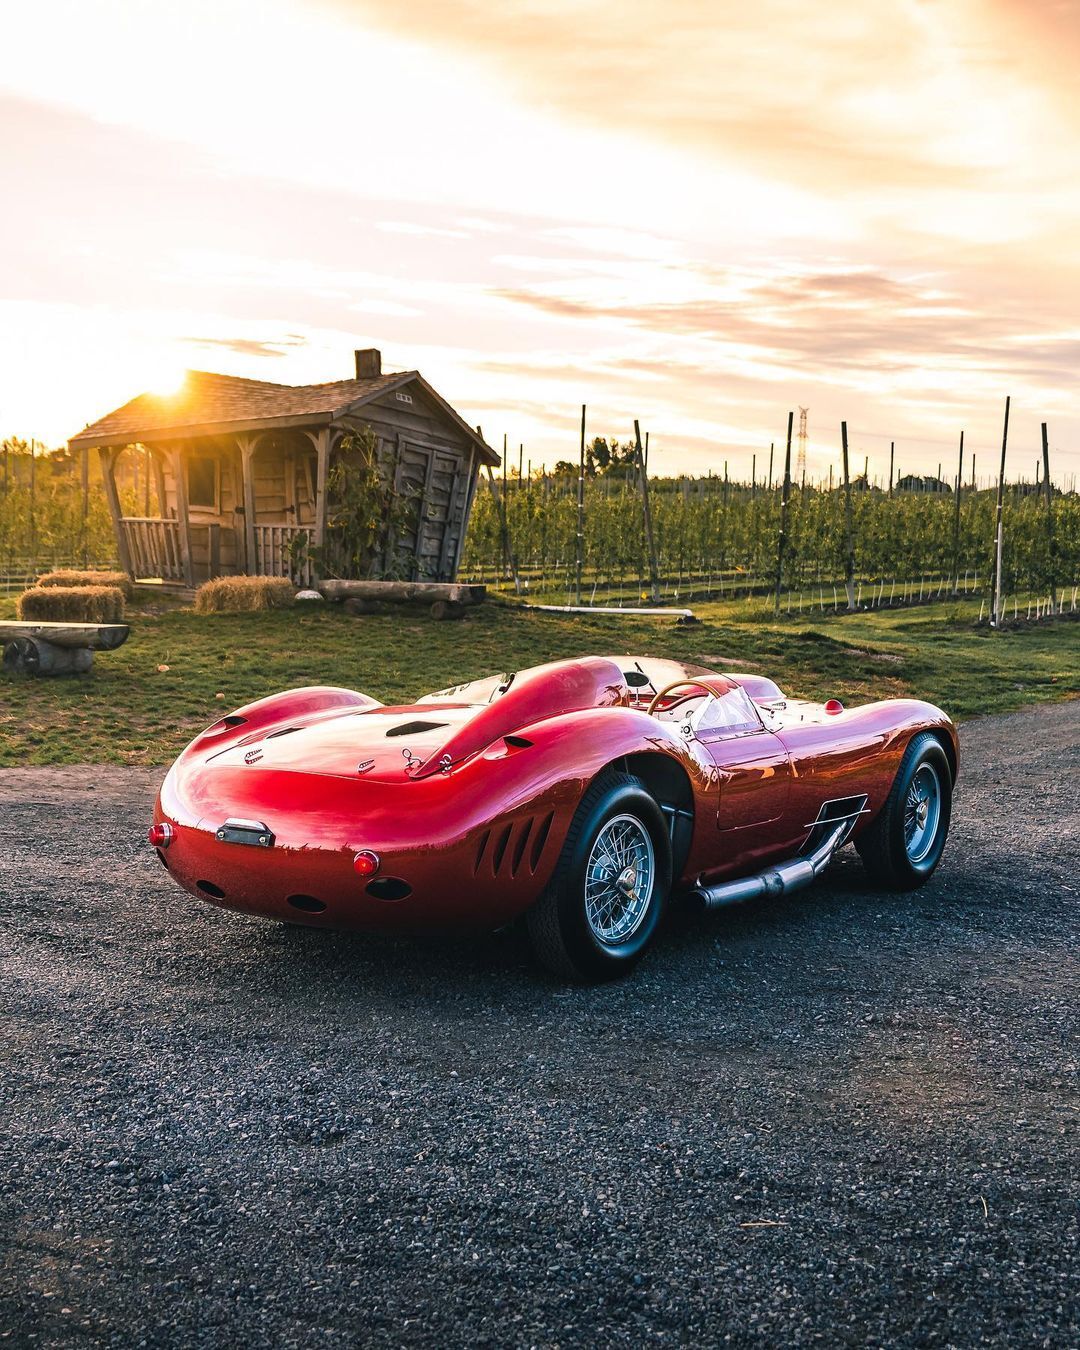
(838,1119)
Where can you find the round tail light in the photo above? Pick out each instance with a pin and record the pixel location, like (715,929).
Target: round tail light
(834,706)
(160,835)
(365,863)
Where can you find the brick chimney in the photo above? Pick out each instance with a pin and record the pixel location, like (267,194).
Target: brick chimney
(368,363)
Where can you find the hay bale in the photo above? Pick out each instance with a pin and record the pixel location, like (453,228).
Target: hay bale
(236,595)
(71,604)
(67,576)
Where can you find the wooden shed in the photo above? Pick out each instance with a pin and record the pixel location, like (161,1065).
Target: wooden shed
(241,469)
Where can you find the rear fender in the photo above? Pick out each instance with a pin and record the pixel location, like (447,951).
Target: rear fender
(546,768)
(544,692)
(292,706)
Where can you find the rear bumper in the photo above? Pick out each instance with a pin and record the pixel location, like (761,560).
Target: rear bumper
(429,890)
(444,864)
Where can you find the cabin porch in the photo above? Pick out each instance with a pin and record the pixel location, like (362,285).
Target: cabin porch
(225,505)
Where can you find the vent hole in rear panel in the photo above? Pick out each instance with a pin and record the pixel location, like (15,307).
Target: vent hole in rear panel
(208,888)
(389,888)
(308,903)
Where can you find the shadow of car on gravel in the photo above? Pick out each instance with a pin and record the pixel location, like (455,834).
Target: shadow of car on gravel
(805,927)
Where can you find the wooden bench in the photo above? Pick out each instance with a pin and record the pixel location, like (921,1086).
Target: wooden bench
(57,648)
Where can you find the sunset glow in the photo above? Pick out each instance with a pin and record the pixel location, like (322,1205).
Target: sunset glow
(698,214)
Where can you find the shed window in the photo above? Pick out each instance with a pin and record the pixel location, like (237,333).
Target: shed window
(204,482)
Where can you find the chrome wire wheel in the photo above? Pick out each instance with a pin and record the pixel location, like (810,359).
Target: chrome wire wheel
(922,813)
(619,880)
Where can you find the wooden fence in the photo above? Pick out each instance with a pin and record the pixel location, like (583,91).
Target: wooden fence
(154,547)
(273,553)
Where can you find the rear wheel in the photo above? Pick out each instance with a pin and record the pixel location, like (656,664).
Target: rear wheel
(604,904)
(903,846)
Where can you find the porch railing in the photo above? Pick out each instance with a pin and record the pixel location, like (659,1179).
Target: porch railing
(154,547)
(273,556)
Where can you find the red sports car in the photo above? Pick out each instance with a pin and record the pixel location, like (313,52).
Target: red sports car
(580,794)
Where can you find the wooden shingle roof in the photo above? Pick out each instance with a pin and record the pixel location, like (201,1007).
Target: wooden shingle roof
(209,404)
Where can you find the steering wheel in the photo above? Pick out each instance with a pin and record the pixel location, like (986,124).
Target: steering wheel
(678,684)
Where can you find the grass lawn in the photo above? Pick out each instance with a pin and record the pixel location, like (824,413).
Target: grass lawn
(180,671)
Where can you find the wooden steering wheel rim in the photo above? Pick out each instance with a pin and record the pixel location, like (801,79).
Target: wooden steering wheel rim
(700,683)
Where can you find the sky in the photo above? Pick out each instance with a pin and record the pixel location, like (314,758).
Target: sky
(698,213)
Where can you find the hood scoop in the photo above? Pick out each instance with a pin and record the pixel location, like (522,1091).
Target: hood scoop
(414,728)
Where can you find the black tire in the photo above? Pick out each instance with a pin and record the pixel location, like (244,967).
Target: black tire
(560,931)
(886,847)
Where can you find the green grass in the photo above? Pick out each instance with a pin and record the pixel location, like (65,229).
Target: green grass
(129,710)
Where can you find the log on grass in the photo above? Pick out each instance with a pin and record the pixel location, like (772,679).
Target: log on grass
(425,592)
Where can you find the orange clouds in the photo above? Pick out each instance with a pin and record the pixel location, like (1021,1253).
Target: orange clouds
(701,212)
(891,94)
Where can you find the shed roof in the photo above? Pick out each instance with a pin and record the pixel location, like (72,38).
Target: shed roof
(209,404)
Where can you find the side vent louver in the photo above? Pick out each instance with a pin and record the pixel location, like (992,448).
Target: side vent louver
(499,852)
(528,837)
(481,849)
(522,839)
(539,840)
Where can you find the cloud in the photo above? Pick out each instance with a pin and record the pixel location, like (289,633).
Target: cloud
(251,346)
(865,95)
(419,230)
(702,212)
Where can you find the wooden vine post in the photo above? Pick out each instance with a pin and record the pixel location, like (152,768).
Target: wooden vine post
(1051,552)
(654,571)
(849,532)
(504,530)
(956,520)
(995,590)
(579,539)
(784,494)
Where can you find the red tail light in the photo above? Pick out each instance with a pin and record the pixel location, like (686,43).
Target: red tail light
(160,835)
(366,863)
(834,706)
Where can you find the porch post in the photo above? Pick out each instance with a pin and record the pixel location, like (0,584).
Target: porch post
(247,455)
(176,460)
(322,450)
(159,484)
(107,454)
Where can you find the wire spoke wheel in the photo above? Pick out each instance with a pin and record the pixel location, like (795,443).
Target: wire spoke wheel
(619,879)
(922,812)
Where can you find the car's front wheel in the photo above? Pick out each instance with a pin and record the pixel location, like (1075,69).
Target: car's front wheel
(904,845)
(605,902)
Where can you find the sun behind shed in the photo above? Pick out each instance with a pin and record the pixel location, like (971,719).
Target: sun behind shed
(241,470)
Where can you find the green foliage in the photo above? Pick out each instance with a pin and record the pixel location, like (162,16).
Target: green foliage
(363,511)
(41,509)
(706,527)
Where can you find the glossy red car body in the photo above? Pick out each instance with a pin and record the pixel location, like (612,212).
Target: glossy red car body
(465,797)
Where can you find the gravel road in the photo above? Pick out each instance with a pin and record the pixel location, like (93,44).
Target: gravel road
(839,1119)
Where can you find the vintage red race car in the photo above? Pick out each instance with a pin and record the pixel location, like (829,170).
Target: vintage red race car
(580,795)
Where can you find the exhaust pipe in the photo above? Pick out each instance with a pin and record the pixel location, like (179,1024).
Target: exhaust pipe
(779,880)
